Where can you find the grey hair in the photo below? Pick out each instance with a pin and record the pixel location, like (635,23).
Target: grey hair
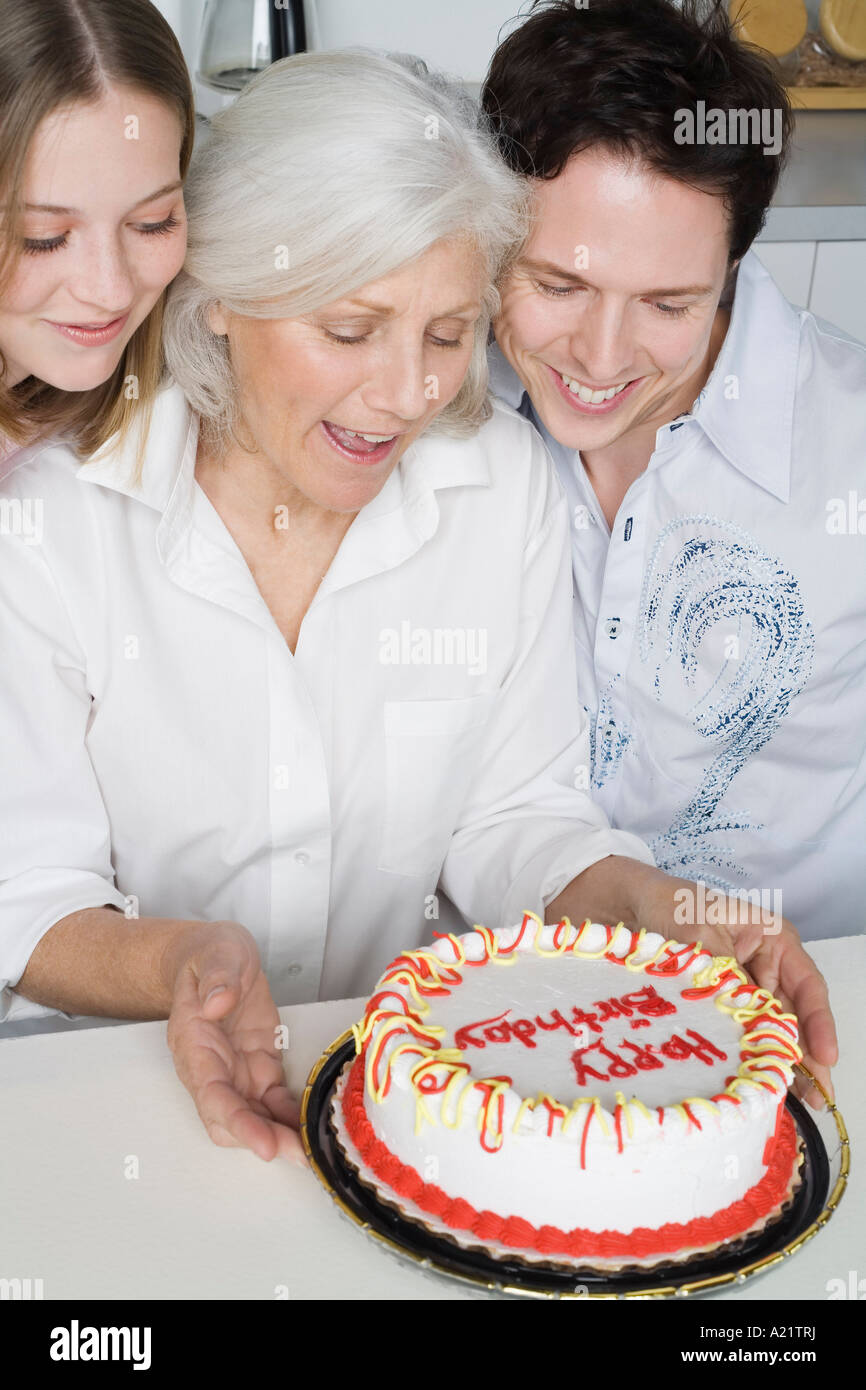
(350,164)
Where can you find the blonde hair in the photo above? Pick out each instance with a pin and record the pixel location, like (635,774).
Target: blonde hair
(52,55)
(330,170)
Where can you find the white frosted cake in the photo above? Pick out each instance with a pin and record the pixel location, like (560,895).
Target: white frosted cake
(576,1096)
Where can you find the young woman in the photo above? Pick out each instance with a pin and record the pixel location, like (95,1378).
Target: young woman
(96,133)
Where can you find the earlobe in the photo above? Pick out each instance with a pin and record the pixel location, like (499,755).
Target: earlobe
(217,319)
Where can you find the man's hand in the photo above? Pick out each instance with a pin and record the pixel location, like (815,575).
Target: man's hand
(779,963)
(222,1032)
(619,889)
(773,955)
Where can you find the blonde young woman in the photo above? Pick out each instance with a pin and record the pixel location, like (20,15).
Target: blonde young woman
(307,672)
(96,133)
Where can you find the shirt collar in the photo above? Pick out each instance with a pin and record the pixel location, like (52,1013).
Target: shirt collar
(168,470)
(746,407)
(167,477)
(504,381)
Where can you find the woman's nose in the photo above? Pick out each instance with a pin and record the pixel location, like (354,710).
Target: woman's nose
(102,278)
(402,386)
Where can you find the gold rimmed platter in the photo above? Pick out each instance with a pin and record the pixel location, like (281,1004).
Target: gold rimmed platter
(824,1175)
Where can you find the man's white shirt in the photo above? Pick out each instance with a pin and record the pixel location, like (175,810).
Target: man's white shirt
(164,752)
(720,624)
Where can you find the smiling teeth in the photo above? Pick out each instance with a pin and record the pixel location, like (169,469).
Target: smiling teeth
(591,397)
(370,438)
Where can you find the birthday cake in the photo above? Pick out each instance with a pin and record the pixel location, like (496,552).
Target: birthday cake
(573,1096)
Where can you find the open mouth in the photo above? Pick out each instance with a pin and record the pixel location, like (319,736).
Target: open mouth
(592,400)
(361,448)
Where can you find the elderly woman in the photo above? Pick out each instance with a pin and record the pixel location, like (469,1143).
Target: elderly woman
(265,694)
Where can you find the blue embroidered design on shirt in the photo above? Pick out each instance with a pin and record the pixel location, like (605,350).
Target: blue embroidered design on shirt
(720,575)
(607,739)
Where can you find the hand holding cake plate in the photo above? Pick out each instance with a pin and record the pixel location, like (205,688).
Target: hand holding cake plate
(457,1130)
(770,947)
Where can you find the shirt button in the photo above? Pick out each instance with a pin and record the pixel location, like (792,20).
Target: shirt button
(294,968)
(301,856)
(612,628)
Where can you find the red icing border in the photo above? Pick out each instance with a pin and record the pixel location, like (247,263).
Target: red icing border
(515,1232)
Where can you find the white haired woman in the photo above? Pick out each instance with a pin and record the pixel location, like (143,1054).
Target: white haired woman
(311,664)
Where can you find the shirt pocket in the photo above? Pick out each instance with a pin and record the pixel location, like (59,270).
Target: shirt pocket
(431,751)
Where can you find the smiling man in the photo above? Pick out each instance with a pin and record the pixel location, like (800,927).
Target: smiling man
(705,432)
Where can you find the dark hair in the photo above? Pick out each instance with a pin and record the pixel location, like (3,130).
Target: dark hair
(615,74)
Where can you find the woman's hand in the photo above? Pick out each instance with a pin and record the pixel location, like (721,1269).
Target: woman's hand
(222,1030)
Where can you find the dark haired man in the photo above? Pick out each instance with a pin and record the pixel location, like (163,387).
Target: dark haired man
(702,429)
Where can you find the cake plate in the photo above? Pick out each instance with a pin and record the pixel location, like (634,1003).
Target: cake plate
(810,1210)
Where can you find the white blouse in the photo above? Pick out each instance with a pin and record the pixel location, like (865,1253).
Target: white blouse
(164,751)
(10,455)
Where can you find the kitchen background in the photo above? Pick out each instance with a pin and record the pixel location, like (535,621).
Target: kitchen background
(814,242)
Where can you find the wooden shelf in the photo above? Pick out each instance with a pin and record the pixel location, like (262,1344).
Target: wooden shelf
(828,98)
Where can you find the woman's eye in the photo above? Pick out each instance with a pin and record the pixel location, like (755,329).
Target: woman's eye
(439,342)
(33,247)
(338,338)
(168,224)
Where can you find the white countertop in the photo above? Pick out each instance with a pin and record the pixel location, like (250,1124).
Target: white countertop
(84,1108)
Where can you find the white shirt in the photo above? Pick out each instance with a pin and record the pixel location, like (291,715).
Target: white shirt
(11,455)
(720,625)
(162,747)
